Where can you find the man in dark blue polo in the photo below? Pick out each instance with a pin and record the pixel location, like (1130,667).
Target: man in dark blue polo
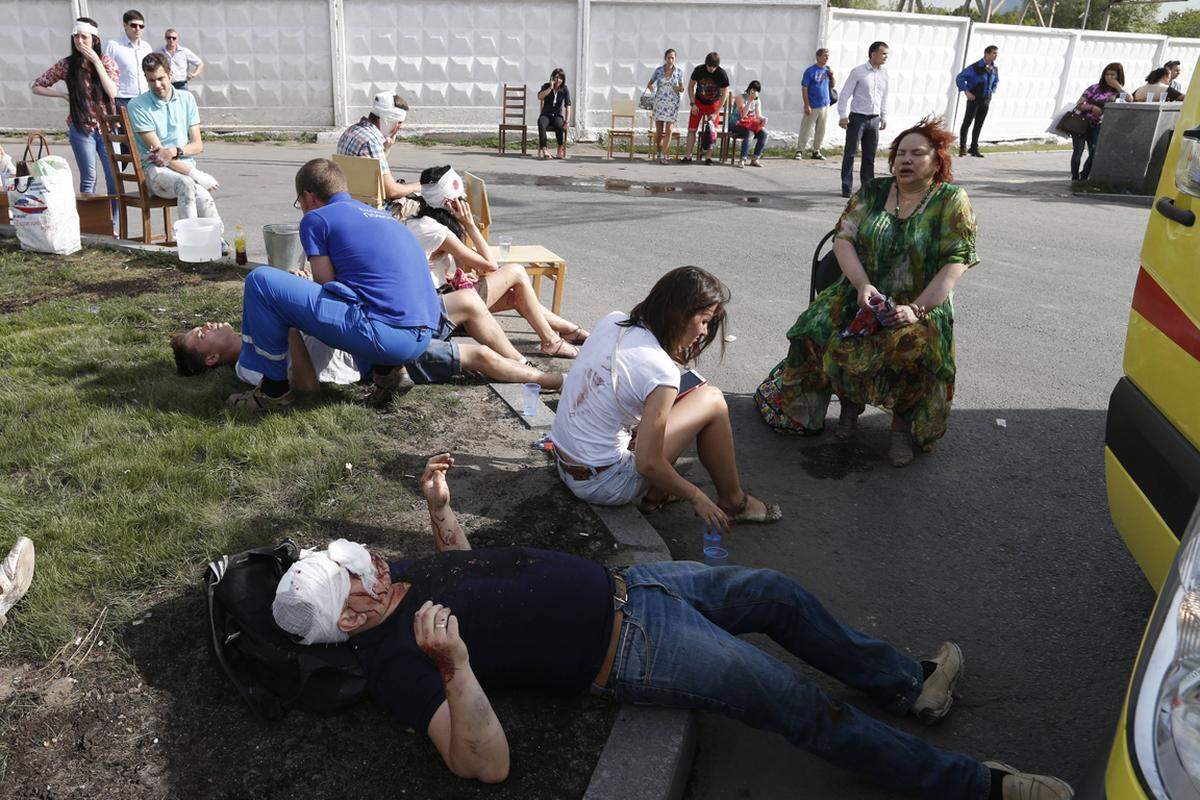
(978,83)
(370,293)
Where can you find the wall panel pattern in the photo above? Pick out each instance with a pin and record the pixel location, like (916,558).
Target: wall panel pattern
(267,62)
(450,60)
(1033,68)
(773,44)
(26,51)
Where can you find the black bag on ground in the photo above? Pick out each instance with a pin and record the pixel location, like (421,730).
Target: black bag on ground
(272,671)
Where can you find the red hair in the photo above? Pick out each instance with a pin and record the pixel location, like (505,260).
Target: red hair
(934,131)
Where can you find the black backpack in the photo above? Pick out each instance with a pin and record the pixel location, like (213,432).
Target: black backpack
(271,670)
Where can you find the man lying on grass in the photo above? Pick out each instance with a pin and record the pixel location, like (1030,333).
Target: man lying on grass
(433,633)
(369,295)
(311,362)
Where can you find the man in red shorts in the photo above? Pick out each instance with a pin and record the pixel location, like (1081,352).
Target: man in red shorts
(706,90)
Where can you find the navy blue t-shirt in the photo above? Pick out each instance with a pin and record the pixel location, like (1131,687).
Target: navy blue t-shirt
(377,257)
(532,618)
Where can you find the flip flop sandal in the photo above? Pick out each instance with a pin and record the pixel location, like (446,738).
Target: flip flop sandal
(559,348)
(771,512)
(255,400)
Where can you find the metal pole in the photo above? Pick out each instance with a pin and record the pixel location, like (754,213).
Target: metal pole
(1107,15)
(1087,8)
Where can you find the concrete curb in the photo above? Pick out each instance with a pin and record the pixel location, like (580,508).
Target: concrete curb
(112,243)
(513,395)
(649,751)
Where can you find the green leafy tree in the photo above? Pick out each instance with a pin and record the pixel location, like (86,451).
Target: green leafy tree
(1182,24)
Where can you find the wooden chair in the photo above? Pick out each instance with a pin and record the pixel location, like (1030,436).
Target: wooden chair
(126,166)
(512,116)
(621,125)
(725,137)
(364,178)
(477,196)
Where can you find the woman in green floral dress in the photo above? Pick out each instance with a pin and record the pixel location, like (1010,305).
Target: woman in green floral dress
(909,237)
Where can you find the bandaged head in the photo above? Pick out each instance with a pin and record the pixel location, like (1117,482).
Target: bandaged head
(84,27)
(384,107)
(312,593)
(448,187)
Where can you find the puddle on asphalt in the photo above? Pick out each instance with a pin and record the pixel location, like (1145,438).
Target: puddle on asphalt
(684,190)
(838,460)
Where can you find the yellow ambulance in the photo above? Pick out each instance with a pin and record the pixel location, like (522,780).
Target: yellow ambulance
(1152,468)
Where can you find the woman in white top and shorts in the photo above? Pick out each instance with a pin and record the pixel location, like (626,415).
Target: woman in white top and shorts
(621,424)
(442,226)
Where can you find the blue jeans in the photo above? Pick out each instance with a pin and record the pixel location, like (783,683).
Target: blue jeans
(745,135)
(88,149)
(274,301)
(865,127)
(1091,139)
(679,647)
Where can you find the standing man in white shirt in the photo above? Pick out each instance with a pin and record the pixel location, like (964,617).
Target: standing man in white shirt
(128,52)
(185,64)
(862,111)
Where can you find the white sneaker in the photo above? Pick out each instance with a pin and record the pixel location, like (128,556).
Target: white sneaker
(799,156)
(740,164)
(16,573)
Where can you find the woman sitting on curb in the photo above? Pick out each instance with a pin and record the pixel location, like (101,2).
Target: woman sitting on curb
(444,225)
(621,423)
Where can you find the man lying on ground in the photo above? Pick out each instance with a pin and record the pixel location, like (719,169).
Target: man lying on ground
(431,634)
(311,362)
(372,137)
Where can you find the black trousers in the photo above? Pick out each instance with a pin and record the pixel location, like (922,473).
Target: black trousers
(977,112)
(556,124)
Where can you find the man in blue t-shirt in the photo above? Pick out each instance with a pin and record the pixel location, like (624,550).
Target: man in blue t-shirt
(978,83)
(815,88)
(370,293)
(434,635)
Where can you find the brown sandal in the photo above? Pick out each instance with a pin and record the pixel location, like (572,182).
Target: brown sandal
(559,348)
(577,336)
(771,512)
(256,400)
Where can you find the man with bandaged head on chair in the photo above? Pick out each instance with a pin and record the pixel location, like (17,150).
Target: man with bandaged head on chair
(432,633)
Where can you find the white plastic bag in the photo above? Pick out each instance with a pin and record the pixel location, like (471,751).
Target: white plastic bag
(43,207)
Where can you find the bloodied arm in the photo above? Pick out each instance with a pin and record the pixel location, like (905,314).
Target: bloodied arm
(447,533)
(464,728)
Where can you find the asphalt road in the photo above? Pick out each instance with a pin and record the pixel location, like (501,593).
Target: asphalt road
(1001,540)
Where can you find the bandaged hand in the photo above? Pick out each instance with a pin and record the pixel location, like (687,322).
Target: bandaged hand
(436,631)
(204,179)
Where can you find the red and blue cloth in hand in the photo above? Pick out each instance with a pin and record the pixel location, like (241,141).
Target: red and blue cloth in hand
(866,321)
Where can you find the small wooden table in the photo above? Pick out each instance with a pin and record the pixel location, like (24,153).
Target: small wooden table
(538,261)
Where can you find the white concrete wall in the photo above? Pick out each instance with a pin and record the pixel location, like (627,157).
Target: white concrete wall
(771,42)
(267,62)
(924,54)
(316,63)
(26,51)
(451,59)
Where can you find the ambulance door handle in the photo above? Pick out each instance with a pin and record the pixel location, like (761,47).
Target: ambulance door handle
(1166,206)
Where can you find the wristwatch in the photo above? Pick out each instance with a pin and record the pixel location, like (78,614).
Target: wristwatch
(178,153)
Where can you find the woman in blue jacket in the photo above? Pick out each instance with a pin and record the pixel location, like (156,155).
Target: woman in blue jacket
(978,82)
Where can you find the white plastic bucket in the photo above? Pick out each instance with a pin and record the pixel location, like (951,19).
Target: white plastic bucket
(198,239)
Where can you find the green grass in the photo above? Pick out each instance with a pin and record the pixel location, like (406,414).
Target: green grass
(128,477)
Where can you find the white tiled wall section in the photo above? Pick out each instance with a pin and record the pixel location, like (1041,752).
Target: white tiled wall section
(1095,50)
(1032,70)
(1187,53)
(267,62)
(773,44)
(450,59)
(26,51)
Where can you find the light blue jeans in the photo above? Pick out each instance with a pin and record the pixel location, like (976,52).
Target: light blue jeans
(679,647)
(88,149)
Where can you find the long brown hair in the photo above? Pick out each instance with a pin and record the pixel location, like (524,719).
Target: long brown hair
(77,69)
(675,299)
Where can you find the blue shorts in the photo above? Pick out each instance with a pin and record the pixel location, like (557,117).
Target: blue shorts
(441,361)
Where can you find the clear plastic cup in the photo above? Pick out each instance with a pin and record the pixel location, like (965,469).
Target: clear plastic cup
(532,397)
(505,244)
(714,554)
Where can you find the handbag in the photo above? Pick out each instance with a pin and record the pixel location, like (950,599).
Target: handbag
(833,95)
(646,103)
(30,158)
(752,124)
(1073,124)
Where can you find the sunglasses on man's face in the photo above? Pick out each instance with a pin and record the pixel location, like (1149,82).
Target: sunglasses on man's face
(137,25)
(172,38)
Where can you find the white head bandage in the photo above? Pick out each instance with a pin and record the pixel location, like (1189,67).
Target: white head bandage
(84,27)
(312,593)
(448,187)
(384,107)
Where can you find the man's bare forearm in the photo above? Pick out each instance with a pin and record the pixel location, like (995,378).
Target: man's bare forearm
(478,746)
(446,530)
